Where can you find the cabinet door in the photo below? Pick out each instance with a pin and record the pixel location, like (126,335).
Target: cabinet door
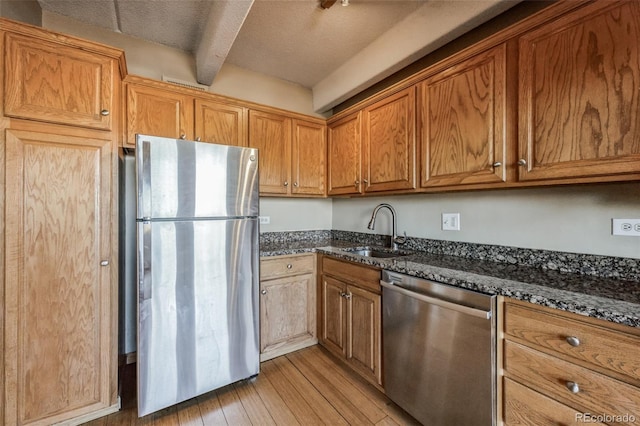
(220,123)
(288,314)
(157,112)
(344,156)
(308,155)
(50,82)
(60,358)
(364,331)
(389,144)
(271,134)
(462,124)
(334,315)
(579,111)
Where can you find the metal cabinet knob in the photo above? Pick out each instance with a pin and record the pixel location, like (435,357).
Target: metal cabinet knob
(263,292)
(343,294)
(497,164)
(104,263)
(347,296)
(286,183)
(104,112)
(522,162)
(198,139)
(573,387)
(295,184)
(289,266)
(573,341)
(356,183)
(365,181)
(183,136)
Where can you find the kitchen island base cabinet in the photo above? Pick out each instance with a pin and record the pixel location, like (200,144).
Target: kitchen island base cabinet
(351,316)
(287,304)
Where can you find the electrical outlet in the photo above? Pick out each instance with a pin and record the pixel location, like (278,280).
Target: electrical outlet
(627,227)
(450,221)
(265,220)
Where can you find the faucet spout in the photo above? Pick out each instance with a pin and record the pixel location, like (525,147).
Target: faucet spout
(395,239)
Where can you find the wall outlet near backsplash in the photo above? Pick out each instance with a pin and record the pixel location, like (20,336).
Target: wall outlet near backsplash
(450,221)
(626,227)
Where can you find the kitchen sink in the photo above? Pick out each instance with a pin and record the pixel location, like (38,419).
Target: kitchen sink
(372,252)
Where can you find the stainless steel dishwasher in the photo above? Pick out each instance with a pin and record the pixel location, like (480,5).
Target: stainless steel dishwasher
(439,351)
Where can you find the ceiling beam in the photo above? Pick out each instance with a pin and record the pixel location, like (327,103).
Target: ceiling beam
(225,20)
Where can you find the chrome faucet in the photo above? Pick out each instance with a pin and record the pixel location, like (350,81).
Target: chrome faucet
(395,239)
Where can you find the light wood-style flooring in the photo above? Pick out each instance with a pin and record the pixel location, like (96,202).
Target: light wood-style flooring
(307,387)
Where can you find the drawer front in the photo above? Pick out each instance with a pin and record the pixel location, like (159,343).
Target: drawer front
(595,392)
(612,350)
(523,406)
(285,266)
(360,276)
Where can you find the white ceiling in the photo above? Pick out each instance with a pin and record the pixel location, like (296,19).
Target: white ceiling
(294,40)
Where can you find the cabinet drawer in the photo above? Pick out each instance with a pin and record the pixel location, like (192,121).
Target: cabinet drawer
(594,392)
(361,276)
(283,266)
(606,349)
(523,406)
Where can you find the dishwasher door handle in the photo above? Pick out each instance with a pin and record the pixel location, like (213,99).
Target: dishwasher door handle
(438,302)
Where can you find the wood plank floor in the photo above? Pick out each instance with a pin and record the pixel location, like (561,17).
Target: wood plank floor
(307,387)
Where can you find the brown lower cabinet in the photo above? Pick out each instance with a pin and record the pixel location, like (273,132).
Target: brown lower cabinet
(287,304)
(350,315)
(562,368)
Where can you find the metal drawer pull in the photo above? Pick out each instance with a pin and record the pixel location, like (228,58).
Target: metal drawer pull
(104,112)
(497,164)
(289,266)
(104,263)
(522,162)
(573,387)
(263,292)
(573,341)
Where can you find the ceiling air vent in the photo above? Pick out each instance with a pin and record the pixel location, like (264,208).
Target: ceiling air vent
(187,84)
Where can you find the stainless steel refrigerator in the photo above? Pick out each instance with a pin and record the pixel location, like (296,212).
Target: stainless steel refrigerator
(197,268)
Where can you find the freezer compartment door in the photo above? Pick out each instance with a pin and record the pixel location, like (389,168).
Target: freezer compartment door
(185,179)
(198,308)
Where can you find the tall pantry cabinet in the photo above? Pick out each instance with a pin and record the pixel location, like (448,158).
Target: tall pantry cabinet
(59,132)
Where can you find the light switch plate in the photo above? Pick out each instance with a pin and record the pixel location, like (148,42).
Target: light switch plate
(450,221)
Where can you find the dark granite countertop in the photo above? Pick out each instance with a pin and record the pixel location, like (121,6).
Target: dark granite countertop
(610,299)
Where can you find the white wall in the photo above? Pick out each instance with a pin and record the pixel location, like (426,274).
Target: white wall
(572,219)
(154,60)
(300,214)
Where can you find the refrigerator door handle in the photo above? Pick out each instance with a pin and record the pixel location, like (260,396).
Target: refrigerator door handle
(144,260)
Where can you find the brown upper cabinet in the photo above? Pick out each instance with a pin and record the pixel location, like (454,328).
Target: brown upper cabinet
(389,143)
(463,122)
(374,149)
(579,103)
(308,158)
(292,154)
(162,109)
(271,135)
(157,112)
(343,152)
(220,122)
(58,83)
